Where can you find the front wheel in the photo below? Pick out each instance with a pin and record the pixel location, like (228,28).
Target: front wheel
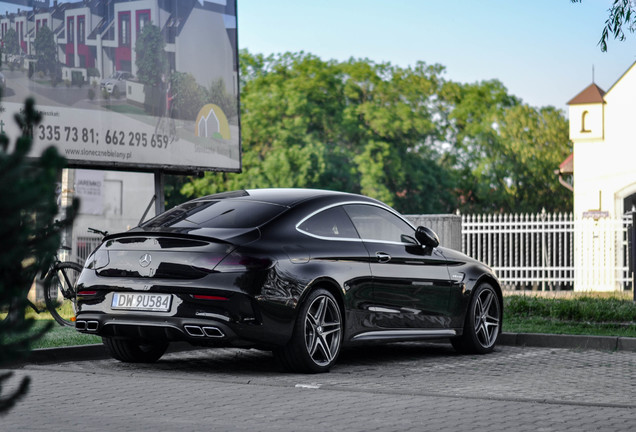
(317,336)
(132,351)
(59,292)
(483,322)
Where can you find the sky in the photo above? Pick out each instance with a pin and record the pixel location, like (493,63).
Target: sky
(543,51)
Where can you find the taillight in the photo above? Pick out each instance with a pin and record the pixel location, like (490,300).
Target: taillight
(86,293)
(209,297)
(237,262)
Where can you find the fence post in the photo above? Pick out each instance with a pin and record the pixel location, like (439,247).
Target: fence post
(543,255)
(631,246)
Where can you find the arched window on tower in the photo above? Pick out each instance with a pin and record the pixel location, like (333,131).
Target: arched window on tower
(583,116)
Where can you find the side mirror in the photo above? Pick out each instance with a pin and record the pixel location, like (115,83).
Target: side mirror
(426,236)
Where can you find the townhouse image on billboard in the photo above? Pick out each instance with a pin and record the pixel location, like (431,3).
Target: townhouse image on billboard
(138,85)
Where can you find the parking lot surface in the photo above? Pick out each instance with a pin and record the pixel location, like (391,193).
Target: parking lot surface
(396,387)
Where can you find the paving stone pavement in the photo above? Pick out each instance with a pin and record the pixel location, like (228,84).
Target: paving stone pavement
(397,387)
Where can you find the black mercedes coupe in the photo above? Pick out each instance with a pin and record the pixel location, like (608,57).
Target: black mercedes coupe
(299,272)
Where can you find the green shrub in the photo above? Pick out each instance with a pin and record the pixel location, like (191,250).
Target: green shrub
(93,72)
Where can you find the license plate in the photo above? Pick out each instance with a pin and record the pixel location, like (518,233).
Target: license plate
(142,302)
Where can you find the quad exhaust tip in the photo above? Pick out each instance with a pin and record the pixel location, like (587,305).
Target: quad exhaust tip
(197,331)
(90,326)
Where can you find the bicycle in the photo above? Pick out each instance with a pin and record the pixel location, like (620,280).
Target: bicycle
(59,290)
(59,293)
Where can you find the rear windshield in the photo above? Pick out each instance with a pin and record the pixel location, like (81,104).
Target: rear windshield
(217,214)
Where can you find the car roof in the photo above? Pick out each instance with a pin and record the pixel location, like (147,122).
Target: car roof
(282,196)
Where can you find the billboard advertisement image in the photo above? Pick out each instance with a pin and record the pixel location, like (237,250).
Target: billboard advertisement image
(135,85)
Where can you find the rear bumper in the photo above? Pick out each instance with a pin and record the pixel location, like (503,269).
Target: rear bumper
(233,315)
(196,331)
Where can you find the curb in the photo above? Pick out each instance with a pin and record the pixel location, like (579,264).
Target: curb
(537,340)
(541,340)
(81,353)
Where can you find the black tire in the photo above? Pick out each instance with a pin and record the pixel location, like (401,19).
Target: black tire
(133,351)
(60,294)
(317,338)
(483,322)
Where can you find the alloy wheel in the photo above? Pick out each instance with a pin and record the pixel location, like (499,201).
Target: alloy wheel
(323,327)
(487,316)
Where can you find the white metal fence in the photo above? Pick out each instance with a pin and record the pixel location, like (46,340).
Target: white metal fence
(85,245)
(550,251)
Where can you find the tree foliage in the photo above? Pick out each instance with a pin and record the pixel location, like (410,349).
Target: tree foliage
(46,51)
(406,136)
(218,95)
(354,126)
(622,18)
(189,97)
(152,63)
(27,209)
(503,152)
(10,42)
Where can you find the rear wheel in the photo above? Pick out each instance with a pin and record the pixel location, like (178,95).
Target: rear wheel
(483,322)
(317,336)
(59,292)
(133,351)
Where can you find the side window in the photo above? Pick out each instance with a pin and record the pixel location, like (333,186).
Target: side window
(331,223)
(378,224)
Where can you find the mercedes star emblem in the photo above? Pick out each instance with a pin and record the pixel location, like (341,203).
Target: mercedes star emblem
(144,261)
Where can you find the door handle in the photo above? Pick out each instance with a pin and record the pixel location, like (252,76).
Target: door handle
(383,257)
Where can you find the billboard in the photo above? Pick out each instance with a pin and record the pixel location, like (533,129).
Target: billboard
(135,85)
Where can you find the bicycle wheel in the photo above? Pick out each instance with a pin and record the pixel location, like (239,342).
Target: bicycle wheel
(59,292)
(8,313)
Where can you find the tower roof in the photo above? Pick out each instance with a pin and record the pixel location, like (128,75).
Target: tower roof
(592,94)
(567,166)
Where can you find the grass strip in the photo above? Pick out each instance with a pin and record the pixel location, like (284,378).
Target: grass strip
(581,315)
(583,309)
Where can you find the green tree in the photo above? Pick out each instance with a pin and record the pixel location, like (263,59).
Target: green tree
(622,18)
(28,208)
(218,95)
(46,51)
(152,68)
(503,152)
(189,97)
(389,113)
(152,63)
(403,135)
(354,126)
(11,45)
(534,142)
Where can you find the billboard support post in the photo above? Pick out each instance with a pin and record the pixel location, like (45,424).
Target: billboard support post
(160,199)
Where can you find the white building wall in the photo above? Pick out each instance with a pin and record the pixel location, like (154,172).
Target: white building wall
(604,170)
(203,48)
(133,7)
(618,163)
(124,197)
(604,174)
